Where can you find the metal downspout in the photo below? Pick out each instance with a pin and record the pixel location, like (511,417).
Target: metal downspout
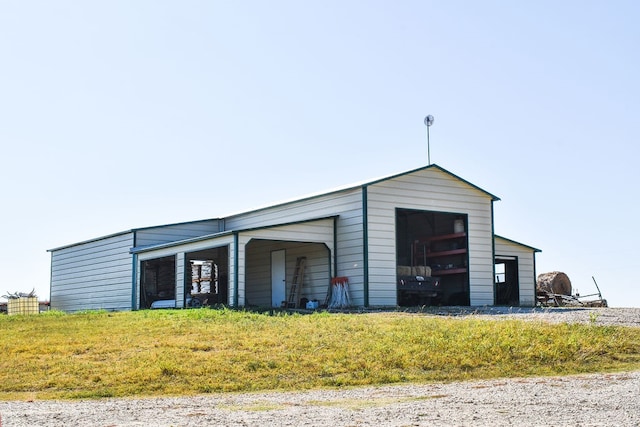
(329,255)
(365,245)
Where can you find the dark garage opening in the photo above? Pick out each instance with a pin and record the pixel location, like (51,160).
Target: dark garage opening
(506,281)
(207,277)
(158,281)
(432,258)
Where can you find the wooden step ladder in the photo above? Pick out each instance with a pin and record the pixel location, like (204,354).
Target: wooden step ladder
(296,282)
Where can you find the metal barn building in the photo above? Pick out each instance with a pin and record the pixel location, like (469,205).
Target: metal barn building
(422,237)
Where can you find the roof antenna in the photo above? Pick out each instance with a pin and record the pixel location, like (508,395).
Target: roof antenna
(428,121)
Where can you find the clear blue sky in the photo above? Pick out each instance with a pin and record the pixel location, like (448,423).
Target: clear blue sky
(123,114)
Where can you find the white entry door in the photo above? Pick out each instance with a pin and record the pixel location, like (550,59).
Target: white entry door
(278,272)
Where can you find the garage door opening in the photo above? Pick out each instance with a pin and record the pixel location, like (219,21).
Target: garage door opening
(432,258)
(158,283)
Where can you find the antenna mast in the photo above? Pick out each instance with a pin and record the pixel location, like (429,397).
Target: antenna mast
(428,121)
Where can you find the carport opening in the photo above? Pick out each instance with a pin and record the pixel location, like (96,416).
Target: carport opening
(207,277)
(158,281)
(277,276)
(432,258)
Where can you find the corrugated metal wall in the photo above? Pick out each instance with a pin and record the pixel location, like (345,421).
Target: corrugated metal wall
(93,275)
(429,190)
(316,276)
(98,274)
(174,232)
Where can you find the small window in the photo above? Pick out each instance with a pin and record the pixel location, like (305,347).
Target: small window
(501,276)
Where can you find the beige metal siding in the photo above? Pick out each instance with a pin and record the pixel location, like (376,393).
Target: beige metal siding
(304,209)
(430,190)
(93,275)
(242,274)
(180,279)
(259,275)
(320,231)
(316,276)
(526,268)
(346,204)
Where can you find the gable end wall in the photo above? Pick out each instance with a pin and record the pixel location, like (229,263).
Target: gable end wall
(429,190)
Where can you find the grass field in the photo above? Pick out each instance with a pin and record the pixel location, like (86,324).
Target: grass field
(184,352)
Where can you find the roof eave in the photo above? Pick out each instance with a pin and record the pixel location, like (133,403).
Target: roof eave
(517,243)
(142,249)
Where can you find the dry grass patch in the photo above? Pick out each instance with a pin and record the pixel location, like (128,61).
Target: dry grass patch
(183,352)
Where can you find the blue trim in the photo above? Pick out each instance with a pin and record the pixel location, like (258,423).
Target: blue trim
(335,246)
(330,266)
(134,281)
(365,245)
(134,274)
(493,261)
(236,257)
(535,281)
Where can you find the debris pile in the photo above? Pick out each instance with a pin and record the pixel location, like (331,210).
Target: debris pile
(339,293)
(554,290)
(18,295)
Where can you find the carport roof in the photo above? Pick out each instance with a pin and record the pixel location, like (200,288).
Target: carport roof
(141,249)
(132,230)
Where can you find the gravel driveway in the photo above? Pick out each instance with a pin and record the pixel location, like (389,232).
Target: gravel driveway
(583,400)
